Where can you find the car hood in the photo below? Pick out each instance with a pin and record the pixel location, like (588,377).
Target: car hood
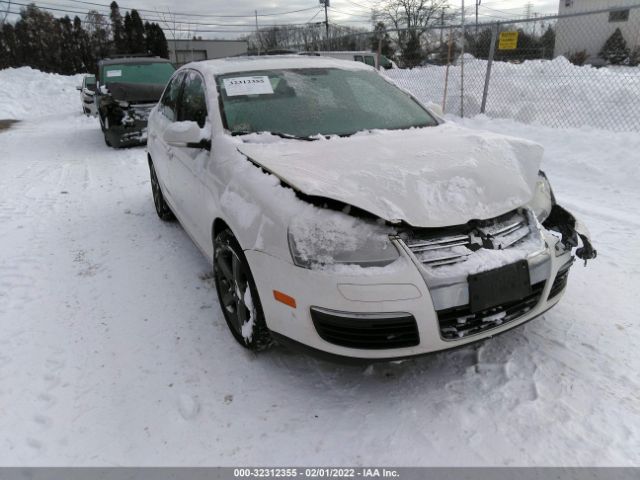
(427,177)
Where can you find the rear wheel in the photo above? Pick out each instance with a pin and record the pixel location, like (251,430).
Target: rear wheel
(162,209)
(238,295)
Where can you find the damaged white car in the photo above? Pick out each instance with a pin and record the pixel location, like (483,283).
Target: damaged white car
(342,215)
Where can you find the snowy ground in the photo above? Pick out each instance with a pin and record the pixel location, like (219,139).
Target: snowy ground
(113,350)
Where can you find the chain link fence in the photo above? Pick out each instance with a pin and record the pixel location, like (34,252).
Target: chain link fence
(571,70)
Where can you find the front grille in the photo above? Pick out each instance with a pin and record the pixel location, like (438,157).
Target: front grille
(459,322)
(366,331)
(559,283)
(436,250)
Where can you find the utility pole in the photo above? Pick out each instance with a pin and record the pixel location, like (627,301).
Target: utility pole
(462,67)
(258,34)
(475,42)
(326,18)
(442,25)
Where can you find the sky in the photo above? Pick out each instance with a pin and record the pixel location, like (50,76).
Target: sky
(231,19)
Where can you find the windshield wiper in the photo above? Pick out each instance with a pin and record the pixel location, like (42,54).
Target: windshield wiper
(293,137)
(278,134)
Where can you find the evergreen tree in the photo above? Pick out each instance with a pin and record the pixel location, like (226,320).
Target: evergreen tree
(161,47)
(411,53)
(84,55)
(67,54)
(127,40)
(156,43)
(615,49)
(548,42)
(37,39)
(119,45)
(137,40)
(62,45)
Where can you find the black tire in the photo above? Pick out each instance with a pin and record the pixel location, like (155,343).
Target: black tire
(233,279)
(162,209)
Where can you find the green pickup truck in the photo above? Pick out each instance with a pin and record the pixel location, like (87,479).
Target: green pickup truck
(127,89)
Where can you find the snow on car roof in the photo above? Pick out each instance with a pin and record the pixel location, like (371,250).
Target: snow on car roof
(279,62)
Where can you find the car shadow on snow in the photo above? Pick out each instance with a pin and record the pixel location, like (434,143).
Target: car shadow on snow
(470,370)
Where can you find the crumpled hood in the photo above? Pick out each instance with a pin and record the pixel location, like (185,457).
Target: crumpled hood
(428,177)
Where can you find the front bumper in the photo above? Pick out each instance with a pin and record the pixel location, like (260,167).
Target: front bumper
(127,126)
(399,295)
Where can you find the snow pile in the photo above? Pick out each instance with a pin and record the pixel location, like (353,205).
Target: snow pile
(549,92)
(27,93)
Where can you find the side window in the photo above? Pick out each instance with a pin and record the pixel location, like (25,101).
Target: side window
(369,60)
(193,104)
(169,100)
(358,58)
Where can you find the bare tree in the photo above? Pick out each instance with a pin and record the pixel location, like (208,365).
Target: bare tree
(411,19)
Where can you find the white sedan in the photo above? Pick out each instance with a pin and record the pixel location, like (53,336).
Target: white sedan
(342,215)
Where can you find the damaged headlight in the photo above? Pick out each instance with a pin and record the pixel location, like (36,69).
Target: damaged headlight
(543,199)
(326,237)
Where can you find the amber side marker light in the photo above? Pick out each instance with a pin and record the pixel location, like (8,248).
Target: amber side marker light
(284,298)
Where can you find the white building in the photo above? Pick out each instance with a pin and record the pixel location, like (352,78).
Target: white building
(185,51)
(590,32)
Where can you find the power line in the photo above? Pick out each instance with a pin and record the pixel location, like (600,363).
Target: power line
(153,18)
(191,14)
(193,30)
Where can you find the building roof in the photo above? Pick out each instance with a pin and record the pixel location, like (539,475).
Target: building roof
(132,60)
(277,62)
(203,40)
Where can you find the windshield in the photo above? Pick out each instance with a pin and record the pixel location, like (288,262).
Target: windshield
(308,102)
(138,73)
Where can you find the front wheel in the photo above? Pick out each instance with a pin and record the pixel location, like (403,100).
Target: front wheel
(238,295)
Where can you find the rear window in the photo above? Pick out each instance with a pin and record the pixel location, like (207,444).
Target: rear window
(137,73)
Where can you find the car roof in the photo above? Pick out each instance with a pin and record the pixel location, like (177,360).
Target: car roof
(132,60)
(278,62)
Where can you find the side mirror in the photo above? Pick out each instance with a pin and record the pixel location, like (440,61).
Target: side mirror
(79,88)
(186,134)
(437,109)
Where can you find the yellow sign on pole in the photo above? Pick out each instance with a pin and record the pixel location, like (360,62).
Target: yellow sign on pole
(508,41)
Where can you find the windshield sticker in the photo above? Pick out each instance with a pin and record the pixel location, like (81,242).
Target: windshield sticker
(114,73)
(248,86)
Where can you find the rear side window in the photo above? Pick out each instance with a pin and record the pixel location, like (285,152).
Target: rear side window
(369,61)
(358,58)
(169,100)
(193,104)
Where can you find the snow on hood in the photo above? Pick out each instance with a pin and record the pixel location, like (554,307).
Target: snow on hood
(428,177)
